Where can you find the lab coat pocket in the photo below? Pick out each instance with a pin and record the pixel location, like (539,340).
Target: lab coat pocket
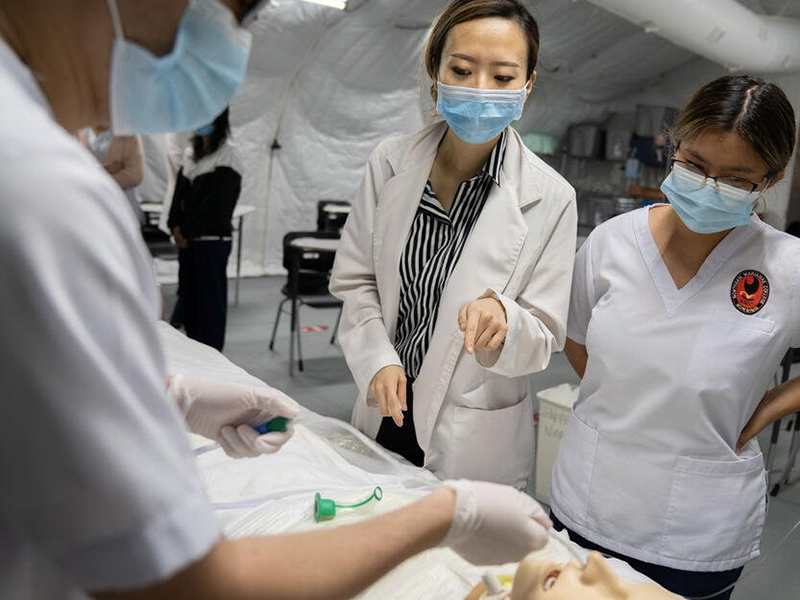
(493,445)
(730,348)
(572,476)
(716,510)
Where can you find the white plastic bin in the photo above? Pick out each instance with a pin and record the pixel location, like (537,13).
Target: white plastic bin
(555,408)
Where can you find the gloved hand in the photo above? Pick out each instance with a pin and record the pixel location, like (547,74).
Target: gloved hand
(225,413)
(495,524)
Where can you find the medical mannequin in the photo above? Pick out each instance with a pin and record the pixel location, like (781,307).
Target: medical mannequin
(536,580)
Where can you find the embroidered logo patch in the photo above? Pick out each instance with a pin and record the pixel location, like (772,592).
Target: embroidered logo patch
(750,291)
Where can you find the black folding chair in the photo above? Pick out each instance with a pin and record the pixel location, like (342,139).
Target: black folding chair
(307,284)
(331,220)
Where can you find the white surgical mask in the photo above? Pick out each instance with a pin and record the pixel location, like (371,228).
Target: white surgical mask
(477,115)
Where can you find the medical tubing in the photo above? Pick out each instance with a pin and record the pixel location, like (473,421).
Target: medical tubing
(755,568)
(377,494)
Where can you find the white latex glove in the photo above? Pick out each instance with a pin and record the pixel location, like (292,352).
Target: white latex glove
(225,412)
(495,524)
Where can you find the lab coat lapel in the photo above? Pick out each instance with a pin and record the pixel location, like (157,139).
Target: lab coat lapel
(488,261)
(399,201)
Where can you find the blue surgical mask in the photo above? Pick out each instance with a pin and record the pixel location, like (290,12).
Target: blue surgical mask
(478,116)
(186,88)
(704,207)
(204,130)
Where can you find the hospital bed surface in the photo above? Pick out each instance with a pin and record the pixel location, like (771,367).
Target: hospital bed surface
(274,494)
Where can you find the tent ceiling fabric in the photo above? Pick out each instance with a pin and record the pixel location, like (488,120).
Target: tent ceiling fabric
(329,85)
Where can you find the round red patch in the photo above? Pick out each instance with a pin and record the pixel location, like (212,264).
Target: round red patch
(750,291)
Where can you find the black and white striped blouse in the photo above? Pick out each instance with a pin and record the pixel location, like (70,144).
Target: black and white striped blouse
(432,250)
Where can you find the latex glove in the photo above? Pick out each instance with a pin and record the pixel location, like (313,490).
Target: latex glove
(225,412)
(495,524)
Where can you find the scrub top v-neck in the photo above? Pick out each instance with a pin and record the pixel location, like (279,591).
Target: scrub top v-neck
(672,296)
(647,465)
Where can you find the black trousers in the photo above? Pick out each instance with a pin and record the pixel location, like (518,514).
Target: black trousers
(691,584)
(203,291)
(402,440)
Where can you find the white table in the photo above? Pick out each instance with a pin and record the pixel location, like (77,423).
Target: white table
(239,213)
(316,244)
(343,209)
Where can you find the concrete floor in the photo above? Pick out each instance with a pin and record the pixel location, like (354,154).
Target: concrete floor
(327,388)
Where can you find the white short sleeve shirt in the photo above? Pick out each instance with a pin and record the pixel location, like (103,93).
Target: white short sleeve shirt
(647,466)
(99,485)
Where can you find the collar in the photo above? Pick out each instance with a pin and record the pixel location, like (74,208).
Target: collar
(494,164)
(520,173)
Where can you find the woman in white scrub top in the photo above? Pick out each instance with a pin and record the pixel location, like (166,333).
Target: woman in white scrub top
(680,314)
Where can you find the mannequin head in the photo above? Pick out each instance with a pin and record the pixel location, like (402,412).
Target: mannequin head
(537,580)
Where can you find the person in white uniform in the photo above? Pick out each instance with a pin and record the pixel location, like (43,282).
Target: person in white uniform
(100,495)
(456,260)
(679,317)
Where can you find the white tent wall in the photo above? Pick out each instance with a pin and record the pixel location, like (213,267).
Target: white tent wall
(329,85)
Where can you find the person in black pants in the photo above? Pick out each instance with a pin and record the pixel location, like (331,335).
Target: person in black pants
(205,195)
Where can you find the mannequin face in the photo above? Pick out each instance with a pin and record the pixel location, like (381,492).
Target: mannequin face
(536,580)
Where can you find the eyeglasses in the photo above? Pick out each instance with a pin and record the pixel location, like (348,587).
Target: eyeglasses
(734,182)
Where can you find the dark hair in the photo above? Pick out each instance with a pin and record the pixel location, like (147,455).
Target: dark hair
(758,111)
(218,136)
(462,11)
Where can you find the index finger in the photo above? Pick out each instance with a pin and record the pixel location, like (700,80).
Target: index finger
(393,405)
(462,316)
(473,317)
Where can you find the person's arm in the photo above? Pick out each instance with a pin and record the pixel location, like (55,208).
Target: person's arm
(328,564)
(537,317)
(176,214)
(131,172)
(777,403)
(485,523)
(362,333)
(577,356)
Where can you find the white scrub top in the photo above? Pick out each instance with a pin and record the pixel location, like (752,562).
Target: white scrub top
(99,488)
(647,465)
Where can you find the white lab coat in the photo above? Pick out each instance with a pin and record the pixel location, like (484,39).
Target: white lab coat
(647,465)
(473,415)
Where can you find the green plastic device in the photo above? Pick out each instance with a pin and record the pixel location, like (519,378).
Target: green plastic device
(325,508)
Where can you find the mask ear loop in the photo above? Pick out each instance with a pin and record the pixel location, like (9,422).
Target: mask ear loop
(761,194)
(116,22)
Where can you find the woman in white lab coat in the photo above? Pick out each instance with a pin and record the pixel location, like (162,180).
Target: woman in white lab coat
(679,317)
(455,263)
